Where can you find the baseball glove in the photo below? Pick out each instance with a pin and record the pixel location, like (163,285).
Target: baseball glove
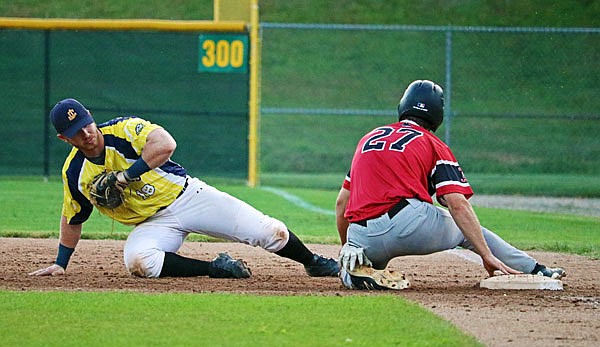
(106,191)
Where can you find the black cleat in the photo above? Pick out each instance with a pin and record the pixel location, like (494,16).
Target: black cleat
(224,266)
(322,267)
(554,273)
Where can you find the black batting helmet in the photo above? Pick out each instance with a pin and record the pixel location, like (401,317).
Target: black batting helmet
(424,100)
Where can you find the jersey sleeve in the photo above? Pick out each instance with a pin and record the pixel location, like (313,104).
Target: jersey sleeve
(346,183)
(136,131)
(448,176)
(76,207)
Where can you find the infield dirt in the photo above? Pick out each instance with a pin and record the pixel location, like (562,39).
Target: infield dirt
(445,283)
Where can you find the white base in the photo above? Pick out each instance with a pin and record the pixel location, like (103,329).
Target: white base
(534,282)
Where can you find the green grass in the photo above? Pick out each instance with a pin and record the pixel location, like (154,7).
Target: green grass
(30,207)
(560,185)
(545,231)
(528,230)
(525,230)
(268,320)
(134,319)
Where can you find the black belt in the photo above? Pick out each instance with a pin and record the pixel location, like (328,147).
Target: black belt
(184,187)
(391,213)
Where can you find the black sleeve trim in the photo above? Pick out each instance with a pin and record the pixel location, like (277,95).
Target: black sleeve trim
(73,173)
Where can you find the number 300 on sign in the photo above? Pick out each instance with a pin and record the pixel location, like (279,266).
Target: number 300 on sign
(223,53)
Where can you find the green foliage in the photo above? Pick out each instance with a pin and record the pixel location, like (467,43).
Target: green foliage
(471,12)
(482,146)
(216,320)
(117,9)
(435,12)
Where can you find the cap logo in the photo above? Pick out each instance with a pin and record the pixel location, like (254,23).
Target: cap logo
(71,114)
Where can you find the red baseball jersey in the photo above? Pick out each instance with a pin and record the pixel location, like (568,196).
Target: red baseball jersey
(400,160)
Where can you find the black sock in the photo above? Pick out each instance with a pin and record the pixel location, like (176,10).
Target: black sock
(296,250)
(178,266)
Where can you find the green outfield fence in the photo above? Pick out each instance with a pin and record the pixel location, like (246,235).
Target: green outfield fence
(518,100)
(139,68)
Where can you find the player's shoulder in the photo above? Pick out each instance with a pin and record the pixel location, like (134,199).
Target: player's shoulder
(119,120)
(127,126)
(73,167)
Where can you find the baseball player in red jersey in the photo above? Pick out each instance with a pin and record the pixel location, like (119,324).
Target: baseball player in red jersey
(161,200)
(385,207)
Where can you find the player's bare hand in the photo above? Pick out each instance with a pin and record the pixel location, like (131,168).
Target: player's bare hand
(492,264)
(53,270)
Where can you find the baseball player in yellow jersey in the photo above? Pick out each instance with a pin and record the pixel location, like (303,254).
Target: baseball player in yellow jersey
(161,200)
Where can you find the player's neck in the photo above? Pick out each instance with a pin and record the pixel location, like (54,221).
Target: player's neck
(97,150)
(99,159)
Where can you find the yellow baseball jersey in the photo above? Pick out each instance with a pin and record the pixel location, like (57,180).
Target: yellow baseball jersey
(124,139)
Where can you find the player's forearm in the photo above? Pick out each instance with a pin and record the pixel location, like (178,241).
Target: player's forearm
(69,237)
(472,232)
(341,221)
(340,209)
(342,227)
(69,234)
(467,221)
(159,147)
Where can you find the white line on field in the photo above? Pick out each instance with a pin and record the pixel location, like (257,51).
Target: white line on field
(461,253)
(298,201)
(466,254)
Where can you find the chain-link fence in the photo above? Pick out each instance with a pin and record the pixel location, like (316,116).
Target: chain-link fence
(518,100)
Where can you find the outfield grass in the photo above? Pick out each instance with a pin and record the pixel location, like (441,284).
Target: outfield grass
(525,230)
(558,185)
(31,206)
(528,230)
(134,319)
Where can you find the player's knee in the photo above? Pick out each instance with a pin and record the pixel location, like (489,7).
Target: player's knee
(277,235)
(144,263)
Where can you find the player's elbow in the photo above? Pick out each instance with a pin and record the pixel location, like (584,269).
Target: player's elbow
(340,208)
(167,145)
(161,143)
(456,202)
(340,204)
(171,145)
